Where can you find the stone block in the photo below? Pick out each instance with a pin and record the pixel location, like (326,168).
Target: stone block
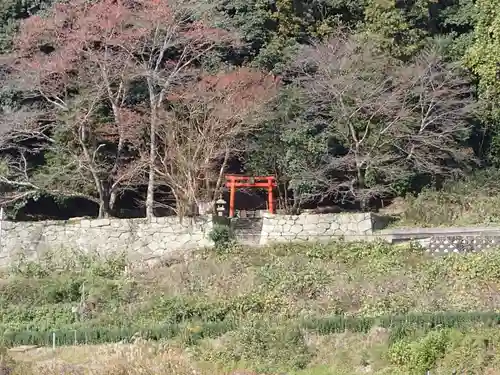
(271,229)
(23,234)
(153,246)
(85,223)
(310,227)
(118,224)
(114,234)
(166,234)
(124,236)
(324,225)
(365,226)
(196,237)
(340,232)
(296,229)
(351,227)
(8,225)
(100,223)
(183,239)
(310,218)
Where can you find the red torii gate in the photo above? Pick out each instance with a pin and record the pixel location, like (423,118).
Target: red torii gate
(236,181)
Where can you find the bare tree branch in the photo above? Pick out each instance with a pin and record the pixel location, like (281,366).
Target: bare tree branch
(393,121)
(203,130)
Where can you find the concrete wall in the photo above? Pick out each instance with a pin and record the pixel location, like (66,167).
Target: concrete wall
(442,241)
(164,235)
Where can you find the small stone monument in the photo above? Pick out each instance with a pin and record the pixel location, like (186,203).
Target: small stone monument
(221,218)
(220,206)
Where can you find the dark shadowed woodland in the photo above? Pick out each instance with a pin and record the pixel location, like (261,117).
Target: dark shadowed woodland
(139,108)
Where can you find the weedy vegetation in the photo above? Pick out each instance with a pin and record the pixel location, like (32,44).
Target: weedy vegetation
(337,308)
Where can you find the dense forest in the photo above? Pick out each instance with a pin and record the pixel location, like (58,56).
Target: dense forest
(118,106)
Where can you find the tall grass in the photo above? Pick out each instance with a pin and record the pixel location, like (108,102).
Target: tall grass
(337,308)
(474,200)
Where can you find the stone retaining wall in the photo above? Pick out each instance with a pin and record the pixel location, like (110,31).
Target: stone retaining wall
(137,237)
(282,228)
(141,239)
(152,240)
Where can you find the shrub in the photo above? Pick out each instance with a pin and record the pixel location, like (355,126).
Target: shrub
(417,357)
(470,201)
(263,346)
(221,236)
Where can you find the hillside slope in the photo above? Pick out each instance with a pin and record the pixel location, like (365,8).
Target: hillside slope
(315,309)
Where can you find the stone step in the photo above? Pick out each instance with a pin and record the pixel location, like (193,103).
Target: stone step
(247,224)
(249,240)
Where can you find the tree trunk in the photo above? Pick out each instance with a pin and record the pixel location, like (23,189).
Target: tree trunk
(100,185)
(284,197)
(297,201)
(112,200)
(151,187)
(102,209)
(104,200)
(152,157)
(361,184)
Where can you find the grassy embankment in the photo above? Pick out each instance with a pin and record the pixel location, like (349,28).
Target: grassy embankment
(312,309)
(472,201)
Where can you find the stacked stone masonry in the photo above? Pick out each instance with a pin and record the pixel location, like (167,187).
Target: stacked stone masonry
(142,239)
(137,237)
(283,228)
(150,240)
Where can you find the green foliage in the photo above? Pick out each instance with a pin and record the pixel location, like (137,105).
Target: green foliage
(270,309)
(290,147)
(222,237)
(265,339)
(61,261)
(420,356)
(400,325)
(288,282)
(457,19)
(50,173)
(297,277)
(276,55)
(470,201)
(482,56)
(492,130)
(270,346)
(396,29)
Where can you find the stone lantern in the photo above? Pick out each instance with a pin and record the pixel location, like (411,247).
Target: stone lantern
(220,207)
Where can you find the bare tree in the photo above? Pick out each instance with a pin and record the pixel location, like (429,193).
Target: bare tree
(203,128)
(389,121)
(171,26)
(87,59)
